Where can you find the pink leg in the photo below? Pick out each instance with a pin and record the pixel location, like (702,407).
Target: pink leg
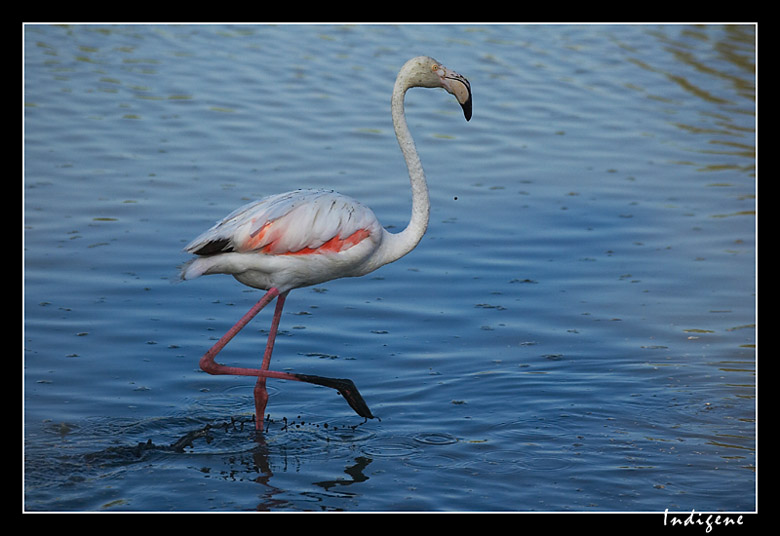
(207,363)
(261,395)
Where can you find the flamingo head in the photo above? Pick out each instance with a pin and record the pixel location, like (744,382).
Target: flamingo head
(424,71)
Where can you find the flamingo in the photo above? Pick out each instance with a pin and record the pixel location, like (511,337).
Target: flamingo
(306,237)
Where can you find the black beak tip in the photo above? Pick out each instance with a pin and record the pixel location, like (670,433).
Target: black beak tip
(467,109)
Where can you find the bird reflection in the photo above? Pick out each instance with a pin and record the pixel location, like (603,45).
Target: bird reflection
(354,471)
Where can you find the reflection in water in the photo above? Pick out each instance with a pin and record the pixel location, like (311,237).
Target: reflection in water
(355,473)
(218,451)
(707,69)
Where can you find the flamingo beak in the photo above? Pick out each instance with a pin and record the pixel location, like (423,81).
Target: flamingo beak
(458,86)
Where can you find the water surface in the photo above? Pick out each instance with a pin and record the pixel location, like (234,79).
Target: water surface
(576,331)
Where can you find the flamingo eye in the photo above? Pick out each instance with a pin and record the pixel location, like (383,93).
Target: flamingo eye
(434,67)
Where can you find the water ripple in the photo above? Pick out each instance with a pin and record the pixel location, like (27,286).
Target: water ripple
(435,438)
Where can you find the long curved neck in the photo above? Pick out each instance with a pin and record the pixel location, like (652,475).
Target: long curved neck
(406,240)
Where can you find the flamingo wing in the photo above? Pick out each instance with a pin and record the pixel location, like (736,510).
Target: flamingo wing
(293,223)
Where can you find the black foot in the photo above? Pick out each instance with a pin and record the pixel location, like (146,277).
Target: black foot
(345,387)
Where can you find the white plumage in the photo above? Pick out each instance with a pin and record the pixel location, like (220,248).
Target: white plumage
(289,240)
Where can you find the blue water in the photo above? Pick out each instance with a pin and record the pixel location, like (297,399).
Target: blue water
(576,331)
